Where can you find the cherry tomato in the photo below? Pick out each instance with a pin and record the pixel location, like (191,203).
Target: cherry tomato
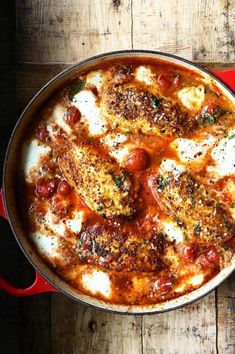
(164,80)
(137,160)
(187,252)
(64,188)
(72,115)
(163,284)
(46,187)
(42,133)
(209,258)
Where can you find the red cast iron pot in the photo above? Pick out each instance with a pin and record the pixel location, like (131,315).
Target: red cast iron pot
(46,280)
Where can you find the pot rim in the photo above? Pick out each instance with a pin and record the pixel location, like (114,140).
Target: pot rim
(144,309)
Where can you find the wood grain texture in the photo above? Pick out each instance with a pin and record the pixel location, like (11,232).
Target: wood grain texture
(50,36)
(69,30)
(197,30)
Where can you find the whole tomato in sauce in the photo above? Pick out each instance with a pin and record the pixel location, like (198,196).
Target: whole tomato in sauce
(138,159)
(163,284)
(72,115)
(187,252)
(209,258)
(64,188)
(46,187)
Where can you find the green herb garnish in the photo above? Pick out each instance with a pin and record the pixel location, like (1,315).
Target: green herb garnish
(118,180)
(155,101)
(192,202)
(144,242)
(163,182)
(94,246)
(231,136)
(99,208)
(162,131)
(78,86)
(208,119)
(198,228)
(228,224)
(232,206)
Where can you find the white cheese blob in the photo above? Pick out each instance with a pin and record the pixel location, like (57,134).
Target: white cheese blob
(171,166)
(196,280)
(75,224)
(189,150)
(85,101)
(96,78)
(46,244)
(57,117)
(173,231)
(117,149)
(192,97)
(224,156)
(32,153)
(144,74)
(51,222)
(97,281)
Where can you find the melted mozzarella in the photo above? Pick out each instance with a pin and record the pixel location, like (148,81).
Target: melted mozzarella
(144,74)
(224,156)
(97,281)
(52,222)
(189,150)
(32,153)
(171,166)
(85,101)
(196,280)
(192,97)
(96,78)
(114,142)
(46,244)
(173,231)
(75,224)
(57,117)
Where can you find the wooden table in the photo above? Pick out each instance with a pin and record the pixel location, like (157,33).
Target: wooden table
(50,36)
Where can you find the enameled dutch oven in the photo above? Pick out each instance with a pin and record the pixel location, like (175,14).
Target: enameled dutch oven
(46,280)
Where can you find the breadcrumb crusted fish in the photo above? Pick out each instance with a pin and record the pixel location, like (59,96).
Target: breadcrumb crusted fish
(188,202)
(103,186)
(129,106)
(118,250)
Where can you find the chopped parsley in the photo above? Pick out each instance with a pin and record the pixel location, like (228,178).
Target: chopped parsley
(228,224)
(192,202)
(198,228)
(99,208)
(119,179)
(144,241)
(231,136)
(163,182)
(155,101)
(162,131)
(80,241)
(208,119)
(232,206)
(78,86)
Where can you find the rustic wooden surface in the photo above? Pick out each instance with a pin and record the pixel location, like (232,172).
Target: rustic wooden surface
(51,35)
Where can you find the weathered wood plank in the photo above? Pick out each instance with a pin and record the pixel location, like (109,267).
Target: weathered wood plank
(226,317)
(69,30)
(189,330)
(200,30)
(79,329)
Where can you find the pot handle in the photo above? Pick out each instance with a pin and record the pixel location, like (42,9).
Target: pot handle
(40,285)
(227,76)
